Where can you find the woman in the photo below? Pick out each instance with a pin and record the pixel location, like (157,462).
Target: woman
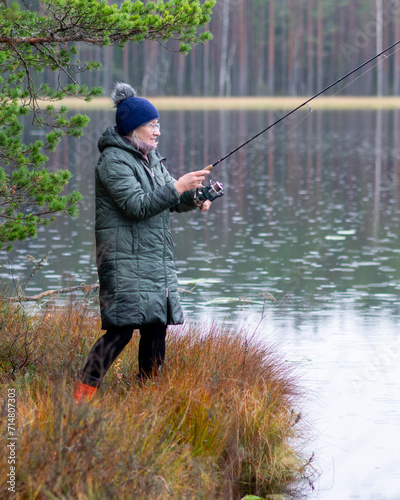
(134,197)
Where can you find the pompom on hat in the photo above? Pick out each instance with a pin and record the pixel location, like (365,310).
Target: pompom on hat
(132,111)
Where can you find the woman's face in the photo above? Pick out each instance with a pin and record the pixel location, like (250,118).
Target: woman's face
(149,132)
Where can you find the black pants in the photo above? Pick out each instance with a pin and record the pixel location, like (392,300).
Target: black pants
(106,350)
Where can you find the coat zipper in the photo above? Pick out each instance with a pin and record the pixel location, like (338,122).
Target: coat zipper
(166,289)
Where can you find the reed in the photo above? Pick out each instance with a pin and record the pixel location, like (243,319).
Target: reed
(220,422)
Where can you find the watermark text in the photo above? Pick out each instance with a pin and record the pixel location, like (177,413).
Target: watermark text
(11,439)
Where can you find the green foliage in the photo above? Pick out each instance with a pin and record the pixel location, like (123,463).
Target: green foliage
(32,41)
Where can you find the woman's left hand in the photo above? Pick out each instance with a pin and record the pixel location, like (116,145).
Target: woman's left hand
(205,207)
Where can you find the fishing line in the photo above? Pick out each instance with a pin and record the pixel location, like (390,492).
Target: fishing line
(290,130)
(304,103)
(365,72)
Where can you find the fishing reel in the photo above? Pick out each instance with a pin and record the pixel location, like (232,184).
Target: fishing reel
(211,192)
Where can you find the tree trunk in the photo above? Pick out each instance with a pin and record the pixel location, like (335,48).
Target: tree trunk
(181,74)
(125,56)
(206,69)
(108,70)
(291,47)
(271,48)
(320,46)
(310,48)
(242,49)
(379,46)
(261,42)
(396,71)
(298,85)
(224,49)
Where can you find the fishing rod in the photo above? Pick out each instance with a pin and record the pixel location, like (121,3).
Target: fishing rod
(210,167)
(214,190)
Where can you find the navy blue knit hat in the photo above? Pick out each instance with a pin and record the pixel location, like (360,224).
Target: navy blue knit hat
(132,111)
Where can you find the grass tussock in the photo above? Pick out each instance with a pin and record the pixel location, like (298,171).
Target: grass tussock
(220,422)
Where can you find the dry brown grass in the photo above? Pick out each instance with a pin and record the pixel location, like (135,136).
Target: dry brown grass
(219,422)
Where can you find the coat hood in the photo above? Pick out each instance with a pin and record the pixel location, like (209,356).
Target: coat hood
(111,138)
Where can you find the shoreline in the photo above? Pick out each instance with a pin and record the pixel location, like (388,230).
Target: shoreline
(187,103)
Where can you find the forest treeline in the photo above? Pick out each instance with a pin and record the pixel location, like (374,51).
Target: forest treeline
(267,47)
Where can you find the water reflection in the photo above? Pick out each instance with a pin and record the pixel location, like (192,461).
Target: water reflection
(310,215)
(311,210)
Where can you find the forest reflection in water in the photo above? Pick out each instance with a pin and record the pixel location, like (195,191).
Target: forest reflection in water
(310,211)
(310,217)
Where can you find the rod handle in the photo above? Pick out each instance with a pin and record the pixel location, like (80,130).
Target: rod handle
(208,167)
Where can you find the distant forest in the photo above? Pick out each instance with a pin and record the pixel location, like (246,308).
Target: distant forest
(267,47)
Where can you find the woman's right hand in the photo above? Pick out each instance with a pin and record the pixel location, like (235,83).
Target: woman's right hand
(192,180)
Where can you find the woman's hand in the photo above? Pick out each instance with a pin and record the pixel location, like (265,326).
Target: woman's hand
(205,207)
(192,180)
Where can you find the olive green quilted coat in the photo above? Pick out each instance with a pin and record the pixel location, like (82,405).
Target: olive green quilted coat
(134,246)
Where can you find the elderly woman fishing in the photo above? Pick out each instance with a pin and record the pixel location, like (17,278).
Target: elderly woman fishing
(135,195)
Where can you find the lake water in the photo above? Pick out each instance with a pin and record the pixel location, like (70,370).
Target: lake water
(310,218)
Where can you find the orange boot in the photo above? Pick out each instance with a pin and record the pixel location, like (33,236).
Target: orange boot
(83,392)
